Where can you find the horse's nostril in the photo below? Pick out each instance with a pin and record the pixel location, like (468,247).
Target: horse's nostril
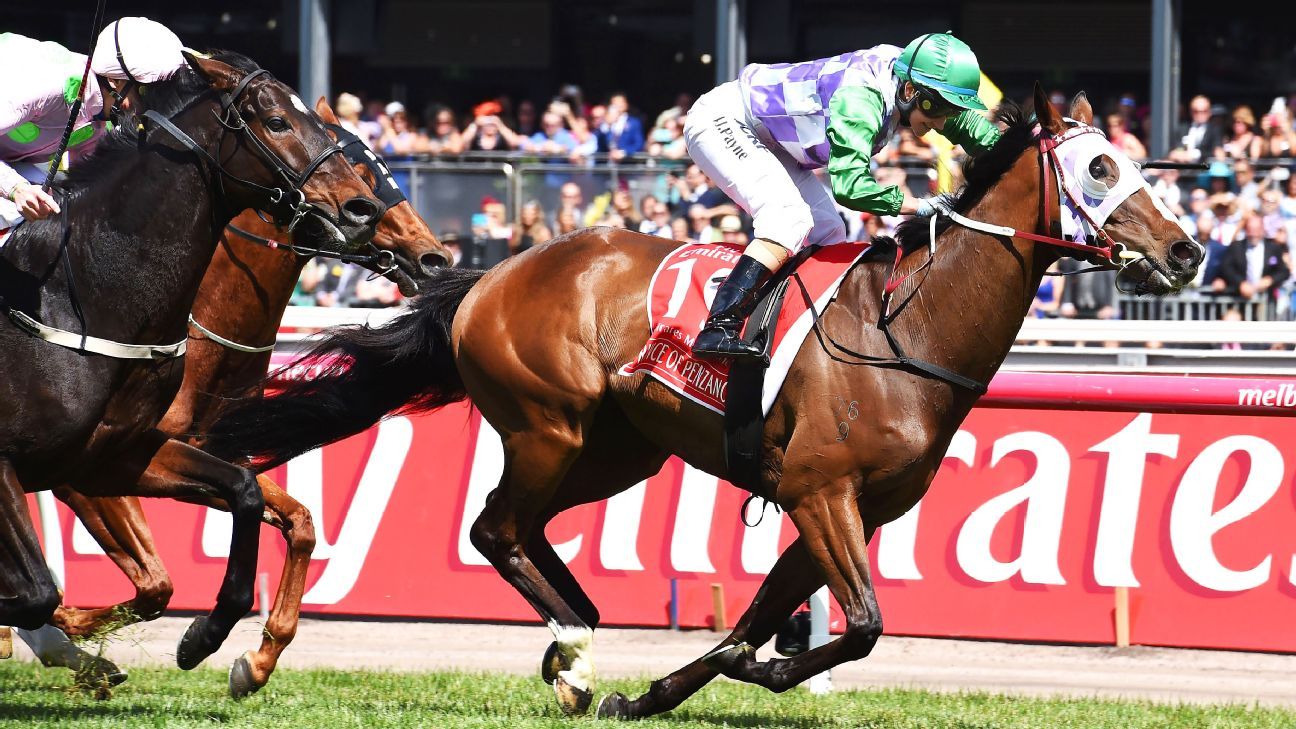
(431,261)
(1187,252)
(361,211)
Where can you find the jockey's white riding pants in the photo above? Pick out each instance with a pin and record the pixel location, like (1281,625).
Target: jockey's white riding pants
(789,205)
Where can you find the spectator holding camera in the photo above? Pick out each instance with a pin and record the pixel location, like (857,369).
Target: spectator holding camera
(487,133)
(399,137)
(553,139)
(667,141)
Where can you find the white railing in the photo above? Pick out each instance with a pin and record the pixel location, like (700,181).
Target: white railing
(1162,331)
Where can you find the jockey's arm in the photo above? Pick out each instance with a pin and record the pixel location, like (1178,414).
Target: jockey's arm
(972,131)
(855,119)
(32,202)
(11,117)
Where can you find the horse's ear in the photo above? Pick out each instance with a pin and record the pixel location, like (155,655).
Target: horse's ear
(218,74)
(326,112)
(1081,109)
(1048,117)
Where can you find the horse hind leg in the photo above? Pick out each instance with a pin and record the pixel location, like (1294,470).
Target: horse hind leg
(836,538)
(252,670)
(53,648)
(534,465)
(117,523)
(28,595)
(790,582)
(177,470)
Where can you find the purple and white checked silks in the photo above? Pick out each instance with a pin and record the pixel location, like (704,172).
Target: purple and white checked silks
(791,99)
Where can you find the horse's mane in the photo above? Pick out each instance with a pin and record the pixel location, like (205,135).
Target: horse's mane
(168,98)
(979,175)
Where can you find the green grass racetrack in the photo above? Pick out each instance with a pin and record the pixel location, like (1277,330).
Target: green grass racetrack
(31,696)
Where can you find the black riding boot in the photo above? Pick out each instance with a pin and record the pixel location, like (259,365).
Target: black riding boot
(734,301)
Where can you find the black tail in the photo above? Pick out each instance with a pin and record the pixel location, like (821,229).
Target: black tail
(362,374)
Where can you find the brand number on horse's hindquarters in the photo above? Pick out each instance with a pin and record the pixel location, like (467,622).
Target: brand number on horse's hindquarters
(852,413)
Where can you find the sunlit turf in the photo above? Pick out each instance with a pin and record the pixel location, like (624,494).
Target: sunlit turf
(31,696)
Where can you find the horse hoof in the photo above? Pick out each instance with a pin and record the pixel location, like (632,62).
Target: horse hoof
(724,658)
(614,706)
(552,663)
(97,672)
(573,701)
(241,682)
(193,649)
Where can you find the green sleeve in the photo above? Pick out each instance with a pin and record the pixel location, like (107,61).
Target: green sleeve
(973,132)
(855,117)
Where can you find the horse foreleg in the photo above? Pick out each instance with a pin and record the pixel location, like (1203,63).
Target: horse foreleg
(252,670)
(117,524)
(177,470)
(551,566)
(836,540)
(28,594)
(534,466)
(789,583)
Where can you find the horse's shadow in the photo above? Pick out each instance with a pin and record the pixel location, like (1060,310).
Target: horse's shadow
(744,719)
(116,711)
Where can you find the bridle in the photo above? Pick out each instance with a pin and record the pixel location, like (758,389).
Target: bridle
(287,204)
(381,262)
(1108,253)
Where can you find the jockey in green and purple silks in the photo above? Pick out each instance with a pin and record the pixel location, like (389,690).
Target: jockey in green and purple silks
(760,138)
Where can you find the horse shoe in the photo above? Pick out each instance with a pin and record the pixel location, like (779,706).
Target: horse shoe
(241,682)
(614,706)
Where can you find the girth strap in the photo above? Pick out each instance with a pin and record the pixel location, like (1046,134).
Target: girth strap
(228,343)
(86,343)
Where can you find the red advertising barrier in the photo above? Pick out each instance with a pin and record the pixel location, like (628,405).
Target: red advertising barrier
(1036,517)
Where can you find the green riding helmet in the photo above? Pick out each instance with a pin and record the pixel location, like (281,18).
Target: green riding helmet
(945,68)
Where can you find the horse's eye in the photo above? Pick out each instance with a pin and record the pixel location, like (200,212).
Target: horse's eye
(1096,168)
(276,124)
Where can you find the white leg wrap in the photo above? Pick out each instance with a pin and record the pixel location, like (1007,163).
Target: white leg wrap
(576,645)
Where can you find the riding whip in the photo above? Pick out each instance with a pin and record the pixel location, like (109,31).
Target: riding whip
(76,104)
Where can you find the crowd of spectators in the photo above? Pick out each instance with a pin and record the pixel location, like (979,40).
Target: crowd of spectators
(1246,218)
(566,127)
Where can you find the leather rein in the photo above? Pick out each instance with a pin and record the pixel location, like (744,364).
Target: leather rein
(1111,255)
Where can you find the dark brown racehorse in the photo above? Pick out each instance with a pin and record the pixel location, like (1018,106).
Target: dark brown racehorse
(242,299)
(140,226)
(536,343)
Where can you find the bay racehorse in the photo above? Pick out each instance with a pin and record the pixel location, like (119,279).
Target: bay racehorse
(233,327)
(122,263)
(536,343)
